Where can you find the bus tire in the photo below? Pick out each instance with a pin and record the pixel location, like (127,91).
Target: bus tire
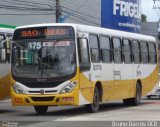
(149,96)
(41,109)
(94,107)
(136,100)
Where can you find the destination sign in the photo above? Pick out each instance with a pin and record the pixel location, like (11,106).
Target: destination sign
(46,32)
(59,43)
(43,32)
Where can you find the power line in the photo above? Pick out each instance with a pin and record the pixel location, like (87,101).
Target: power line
(17,5)
(37,7)
(31,2)
(89,12)
(24,8)
(23,5)
(20,4)
(74,15)
(76,19)
(82,14)
(24,14)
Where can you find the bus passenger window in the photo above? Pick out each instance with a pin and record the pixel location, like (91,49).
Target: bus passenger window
(105,49)
(127,51)
(117,50)
(152,53)
(95,55)
(136,52)
(84,54)
(144,52)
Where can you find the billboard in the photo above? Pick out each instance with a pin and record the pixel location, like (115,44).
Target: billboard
(121,15)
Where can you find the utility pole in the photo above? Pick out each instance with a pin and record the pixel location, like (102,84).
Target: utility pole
(58,11)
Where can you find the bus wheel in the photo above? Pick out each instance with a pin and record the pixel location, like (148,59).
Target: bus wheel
(149,96)
(94,107)
(41,109)
(136,100)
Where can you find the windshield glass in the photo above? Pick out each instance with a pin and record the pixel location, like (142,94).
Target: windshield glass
(44,59)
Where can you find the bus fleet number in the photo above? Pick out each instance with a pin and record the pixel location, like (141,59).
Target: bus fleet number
(18,100)
(97,67)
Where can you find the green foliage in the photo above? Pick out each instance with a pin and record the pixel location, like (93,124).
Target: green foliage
(143,18)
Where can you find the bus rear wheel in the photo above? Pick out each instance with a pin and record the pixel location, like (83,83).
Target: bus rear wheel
(149,96)
(41,109)
(94,107)
(136,100)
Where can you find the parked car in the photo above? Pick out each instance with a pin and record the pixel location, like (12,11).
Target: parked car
(155,94)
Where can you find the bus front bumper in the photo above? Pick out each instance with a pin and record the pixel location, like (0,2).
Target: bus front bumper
(49,100)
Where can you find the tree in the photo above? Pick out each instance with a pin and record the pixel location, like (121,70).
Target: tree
(143,18)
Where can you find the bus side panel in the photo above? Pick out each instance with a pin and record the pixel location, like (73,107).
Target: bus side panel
(123,81)
(5,81)
(148,75)
(152,80)
(86,88)
(107,81)
(145,71)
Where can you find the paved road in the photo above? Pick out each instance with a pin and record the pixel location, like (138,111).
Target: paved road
(149,110)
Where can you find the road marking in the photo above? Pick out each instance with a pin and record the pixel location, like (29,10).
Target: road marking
(81,118)
(5,101)
(61,119)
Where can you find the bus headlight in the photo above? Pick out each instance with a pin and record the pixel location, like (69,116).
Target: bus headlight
(69,88)
(18,89)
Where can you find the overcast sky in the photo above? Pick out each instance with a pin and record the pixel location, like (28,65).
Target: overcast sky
(147,9)
(91,8)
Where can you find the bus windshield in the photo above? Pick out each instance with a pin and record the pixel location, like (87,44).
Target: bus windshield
(43,52)
(43,59)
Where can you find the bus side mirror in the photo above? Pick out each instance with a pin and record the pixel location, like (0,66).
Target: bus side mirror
(3,54)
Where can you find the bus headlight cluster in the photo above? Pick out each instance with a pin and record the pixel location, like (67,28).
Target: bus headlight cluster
(18,89)
(69,88)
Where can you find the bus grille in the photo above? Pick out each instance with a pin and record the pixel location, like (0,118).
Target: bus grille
(42,84)
(39,92)
(35,84)
(42,98)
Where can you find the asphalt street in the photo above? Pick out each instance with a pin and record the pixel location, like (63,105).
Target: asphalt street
(148,110)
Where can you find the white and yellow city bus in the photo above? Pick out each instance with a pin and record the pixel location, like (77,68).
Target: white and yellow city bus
(71,64)
(6,32)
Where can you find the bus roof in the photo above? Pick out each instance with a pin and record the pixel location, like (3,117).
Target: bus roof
(6,28)
(97,30)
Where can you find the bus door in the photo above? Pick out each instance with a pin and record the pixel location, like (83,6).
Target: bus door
(85,75)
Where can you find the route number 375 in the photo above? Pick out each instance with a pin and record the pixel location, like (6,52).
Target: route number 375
(34,45)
